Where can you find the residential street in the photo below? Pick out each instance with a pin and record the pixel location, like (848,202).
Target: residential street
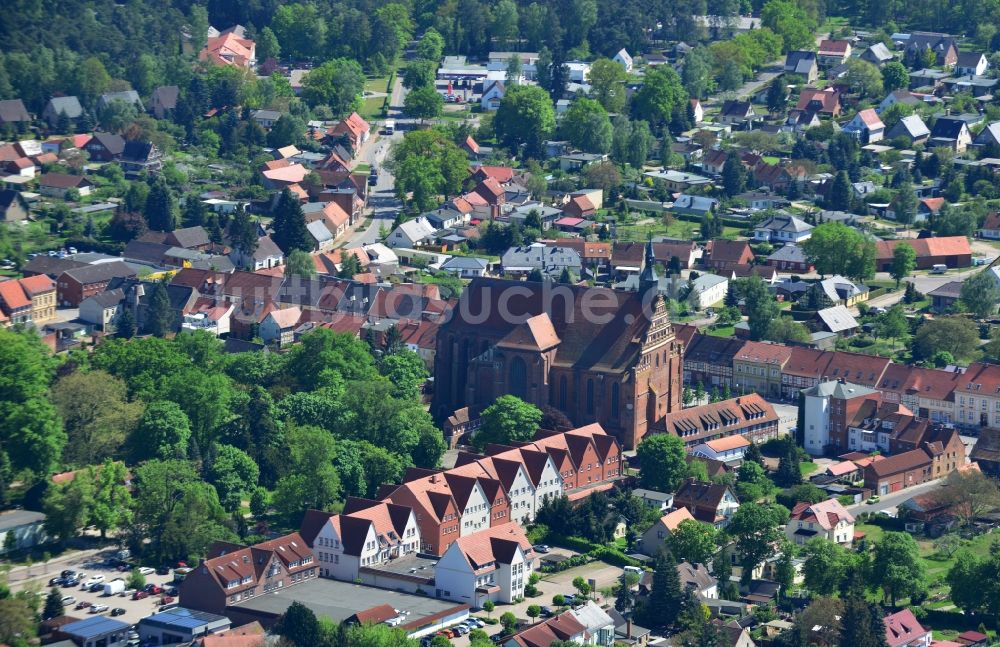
(890,501)
(382,204)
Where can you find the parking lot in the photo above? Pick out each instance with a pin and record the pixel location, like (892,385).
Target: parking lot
(135,610)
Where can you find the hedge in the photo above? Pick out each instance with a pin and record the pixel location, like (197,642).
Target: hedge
(614,557)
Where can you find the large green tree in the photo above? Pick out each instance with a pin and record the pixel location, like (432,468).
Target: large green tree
(586,125)
(178,511)
(427,165)
(525,118)
(904,261)
(161,206)
(507,420)
(896,567)
(289,224)
(980,293)
(954,335)
(423,103)
(337,83)
(755,528)
(761,308)
(607,80)
(31,434)
(835,248)
(663,462)
(660,94)
(96,413)
(693,541)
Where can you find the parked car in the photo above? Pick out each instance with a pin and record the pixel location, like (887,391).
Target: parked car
(127,593)
(68,600)
(56,581)
(152,589)
(146,570)
(140,595)
(118,611)
(461,630)
(98,608)
(874,498)
(82,604)
(70,583)
(542,548)
(68,573)
(545,612)
(163,570)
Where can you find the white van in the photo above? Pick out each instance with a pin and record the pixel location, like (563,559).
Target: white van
(939,269)
(633,569)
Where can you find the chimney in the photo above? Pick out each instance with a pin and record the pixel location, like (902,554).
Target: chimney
(628,628)
(434,478)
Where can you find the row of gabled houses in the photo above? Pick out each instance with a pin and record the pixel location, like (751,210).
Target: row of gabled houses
(434,512)
(967,398)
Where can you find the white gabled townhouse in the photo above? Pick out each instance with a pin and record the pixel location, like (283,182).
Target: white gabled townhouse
(493,564)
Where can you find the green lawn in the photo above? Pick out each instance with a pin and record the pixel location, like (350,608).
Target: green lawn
(372,107)
(722,331)
(378,84)
(935,565)
(807,468)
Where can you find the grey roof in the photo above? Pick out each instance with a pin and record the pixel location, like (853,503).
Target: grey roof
(952,289)
(706,281)
(837,318)
(800,62)
(167,95)
(540,257)
(695,575)
(969,59)
(189,619)
(319,231)
(789,254)
(128,96)
(785,223)
(947,128)
(464,263)
(699,203)
(273,115)
(108,298)
(94,627)
(114,143)
(13,110)
(70,105)
(880,52)
(417,229)
(100,272)
(911,125)
(989,134)
(839,390)
(15,518)
(51,265)
(266,247)
(191,236)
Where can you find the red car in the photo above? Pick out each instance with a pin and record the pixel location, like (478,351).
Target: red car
(83,604)
(166,599)
(140,595)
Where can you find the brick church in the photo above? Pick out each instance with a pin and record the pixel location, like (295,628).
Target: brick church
(596,354)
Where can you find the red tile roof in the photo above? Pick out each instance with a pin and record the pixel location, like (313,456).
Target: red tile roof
(941,246)
(13,296)
(37,284)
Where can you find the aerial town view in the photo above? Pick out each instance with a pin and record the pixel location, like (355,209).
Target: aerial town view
(506,323)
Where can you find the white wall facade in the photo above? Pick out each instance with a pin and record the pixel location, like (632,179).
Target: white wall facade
(816,424)
(476,515)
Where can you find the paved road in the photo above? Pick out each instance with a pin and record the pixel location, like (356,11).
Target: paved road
(924,283)
(890,501)
(382,203)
